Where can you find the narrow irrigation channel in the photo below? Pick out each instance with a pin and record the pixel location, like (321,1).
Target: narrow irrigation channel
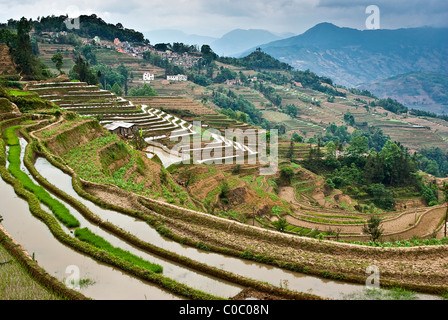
(275,276)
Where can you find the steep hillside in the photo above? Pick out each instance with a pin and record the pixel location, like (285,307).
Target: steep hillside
(7,66)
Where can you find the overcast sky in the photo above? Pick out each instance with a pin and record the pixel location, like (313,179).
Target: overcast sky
(216,17)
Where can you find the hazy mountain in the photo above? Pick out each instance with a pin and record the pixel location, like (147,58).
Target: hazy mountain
(171,35)
(351,57)
(239,40)
(418,90)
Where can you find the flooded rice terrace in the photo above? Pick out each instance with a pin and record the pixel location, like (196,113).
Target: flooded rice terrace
(109,283)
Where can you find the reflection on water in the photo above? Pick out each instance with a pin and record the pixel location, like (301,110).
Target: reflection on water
(55,258)
(253,270)
(273,275)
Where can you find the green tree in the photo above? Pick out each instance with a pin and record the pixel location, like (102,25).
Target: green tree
(117,89)
(147,55)
(24,50)
(399,168)
(349,118)
(331,149)
(82,72)
(374,228)
(290,154)
(292,110)
(296,137)
(57,59)
(138,138)
(445,198)
(145,90)
(224,192)
(280,224)
(358,145)
(124,71)
(382,197)
(286,174)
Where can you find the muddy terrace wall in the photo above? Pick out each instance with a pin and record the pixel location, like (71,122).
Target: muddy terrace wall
(322,246)
(74,137)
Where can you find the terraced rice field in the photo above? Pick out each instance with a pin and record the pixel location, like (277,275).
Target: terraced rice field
(303,128)
(173,103)
(46,52)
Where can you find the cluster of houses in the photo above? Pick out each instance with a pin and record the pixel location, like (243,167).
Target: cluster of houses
(128,48)
(185,59)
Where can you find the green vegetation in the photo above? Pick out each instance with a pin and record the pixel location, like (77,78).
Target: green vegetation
(87,236)
(236,107)
(373,228)
(17,284)
(22,50)
(58,209)
(390,105)
(224,192)
(402,243)
(362,173)
(81,71)
(256,60)
(145,90)
(280,224)
(57,59)
(83,160)
(433,161)
(382,294)
(91,26)
(269,93)
(19,93)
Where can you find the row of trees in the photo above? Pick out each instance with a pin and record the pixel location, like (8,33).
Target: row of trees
(90,26)
(390,105)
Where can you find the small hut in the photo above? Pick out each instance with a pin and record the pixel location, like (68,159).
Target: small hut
(122,128)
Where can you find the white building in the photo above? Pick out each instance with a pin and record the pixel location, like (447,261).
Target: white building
(179,77)
(148,76)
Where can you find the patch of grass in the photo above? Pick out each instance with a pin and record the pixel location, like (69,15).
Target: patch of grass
(12,92)
(87,236)
(381,294)
(10,136)
(17,284)
(403,243)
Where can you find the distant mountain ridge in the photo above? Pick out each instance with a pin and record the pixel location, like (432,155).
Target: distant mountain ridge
(426,91)
(239,40)
(230,44)
(351,57)
(171,35)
